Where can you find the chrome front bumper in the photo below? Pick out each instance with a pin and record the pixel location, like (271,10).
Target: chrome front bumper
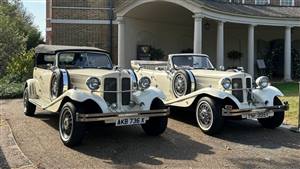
(227,111)
(116,116)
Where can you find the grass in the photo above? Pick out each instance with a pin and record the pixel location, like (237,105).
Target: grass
(291,92)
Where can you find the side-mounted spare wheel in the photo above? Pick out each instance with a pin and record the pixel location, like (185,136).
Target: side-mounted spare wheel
(156,125)
(71,132)
(209,116)
(59,79)
(29,108)
(182,83)
(276,120)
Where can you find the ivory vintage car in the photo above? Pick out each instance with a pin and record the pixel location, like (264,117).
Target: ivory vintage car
(83,86)
(191,81)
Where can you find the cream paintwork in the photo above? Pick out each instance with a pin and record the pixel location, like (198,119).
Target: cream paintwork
(39,90)
(207,82)
(143,100)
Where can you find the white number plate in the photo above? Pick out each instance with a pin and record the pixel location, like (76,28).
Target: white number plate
(260,115)
(131,121)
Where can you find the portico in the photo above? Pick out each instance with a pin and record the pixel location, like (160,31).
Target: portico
(204,28)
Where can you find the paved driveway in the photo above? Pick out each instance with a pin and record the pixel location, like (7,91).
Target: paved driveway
(242,144)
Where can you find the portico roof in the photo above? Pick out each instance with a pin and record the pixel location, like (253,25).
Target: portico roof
(252,10)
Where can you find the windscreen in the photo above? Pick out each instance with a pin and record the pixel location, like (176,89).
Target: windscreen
(73,60)
(192,62)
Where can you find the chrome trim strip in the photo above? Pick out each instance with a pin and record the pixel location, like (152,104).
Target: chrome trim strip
(134,83)
(239,112)
(193,80)
(65,80)
(116,116)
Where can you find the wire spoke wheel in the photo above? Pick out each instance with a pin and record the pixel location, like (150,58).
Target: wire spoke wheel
(204,115)
(180,85)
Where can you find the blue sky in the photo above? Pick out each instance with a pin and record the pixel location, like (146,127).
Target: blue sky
(38,9)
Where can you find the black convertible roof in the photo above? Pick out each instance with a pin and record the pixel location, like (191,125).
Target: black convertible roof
(52,49)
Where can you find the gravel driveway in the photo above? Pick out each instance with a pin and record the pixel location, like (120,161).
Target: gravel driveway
(242,144)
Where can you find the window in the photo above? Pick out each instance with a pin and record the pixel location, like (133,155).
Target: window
(44,60)
(262,2)
(287,2)
(75,60)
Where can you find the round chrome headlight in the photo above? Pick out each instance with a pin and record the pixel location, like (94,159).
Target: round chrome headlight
(226,83)
(144,83)
(262,82)
(93,83)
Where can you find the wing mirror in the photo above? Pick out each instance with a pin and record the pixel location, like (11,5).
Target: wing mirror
(222,68)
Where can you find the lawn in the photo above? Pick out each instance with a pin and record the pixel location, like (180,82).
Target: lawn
(290,90)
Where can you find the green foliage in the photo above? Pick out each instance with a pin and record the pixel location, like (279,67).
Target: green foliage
(10,89)
(20,67)
(296,64)
(274,60)
(17,32)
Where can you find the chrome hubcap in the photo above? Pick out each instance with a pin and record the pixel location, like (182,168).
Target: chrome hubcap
(66,124)
(204,115)
(180,85)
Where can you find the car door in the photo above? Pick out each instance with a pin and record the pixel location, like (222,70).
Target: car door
(43,73)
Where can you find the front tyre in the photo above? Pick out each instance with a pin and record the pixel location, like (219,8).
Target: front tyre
(155,126)
(209,116)
(71,132)
(29,108)
(276,120)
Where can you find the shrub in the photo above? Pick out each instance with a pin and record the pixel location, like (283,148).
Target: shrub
(20,67)
(9,90)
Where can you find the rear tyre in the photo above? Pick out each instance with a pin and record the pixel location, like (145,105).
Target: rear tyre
(209,115)
(71,132)
(155,126)
(276,120)
(29,108)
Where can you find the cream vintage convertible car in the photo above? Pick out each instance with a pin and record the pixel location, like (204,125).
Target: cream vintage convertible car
(83,86)
(191,81)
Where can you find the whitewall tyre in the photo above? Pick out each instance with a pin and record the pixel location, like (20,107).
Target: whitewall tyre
(209,115)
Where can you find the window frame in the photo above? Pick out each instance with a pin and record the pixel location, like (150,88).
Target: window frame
(268,2)
(80,51)
(281,3)
(37,55)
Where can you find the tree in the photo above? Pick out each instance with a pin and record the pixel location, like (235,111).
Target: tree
(17,32)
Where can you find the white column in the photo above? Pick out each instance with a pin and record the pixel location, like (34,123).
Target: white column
(198,34)
(251,49)
(220,44)
(121,42)
(287,54)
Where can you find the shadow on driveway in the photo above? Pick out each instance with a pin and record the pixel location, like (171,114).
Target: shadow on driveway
(129,145)
(3,162)
(247,132)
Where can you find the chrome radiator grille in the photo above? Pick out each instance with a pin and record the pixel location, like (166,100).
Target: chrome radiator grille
(237,89)
(111,93)
(249,91)
(126,93)
(110,88)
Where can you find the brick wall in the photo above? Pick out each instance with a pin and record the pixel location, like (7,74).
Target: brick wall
(97,35)
(84,35)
